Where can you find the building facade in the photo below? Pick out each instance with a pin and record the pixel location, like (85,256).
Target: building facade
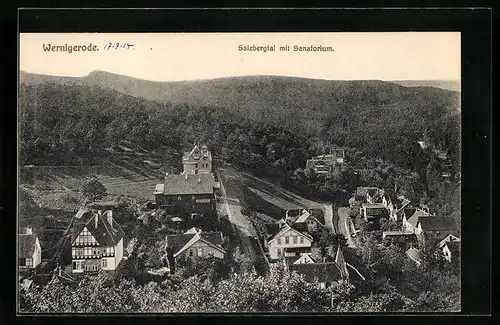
(98,245)
(197,161)
(30,250)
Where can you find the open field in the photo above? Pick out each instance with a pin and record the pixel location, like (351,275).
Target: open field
(261,195)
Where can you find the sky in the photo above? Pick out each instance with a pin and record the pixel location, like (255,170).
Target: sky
(192,56)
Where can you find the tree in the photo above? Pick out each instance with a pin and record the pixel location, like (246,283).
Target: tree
(93,190)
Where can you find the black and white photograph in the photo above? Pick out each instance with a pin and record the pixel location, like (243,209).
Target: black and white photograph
(314,172)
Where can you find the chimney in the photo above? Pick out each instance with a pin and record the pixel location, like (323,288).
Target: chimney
(110,217)
(29,230)
(96,218)
(59,270)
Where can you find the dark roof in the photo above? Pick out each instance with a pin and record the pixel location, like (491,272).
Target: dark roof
(27,245)
(453,246)
(176,242)
(297,250)
(323,272)
(104,233)
(432,223)
(189,184)
(377,212)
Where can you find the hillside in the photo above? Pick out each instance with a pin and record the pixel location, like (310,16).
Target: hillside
(337,110)
(453,85)
(380,118)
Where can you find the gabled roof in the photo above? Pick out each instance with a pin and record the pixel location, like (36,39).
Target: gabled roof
(179,243)
(287,228)
(188,155)
(184,184)
(27,244)
(106,234)
(413,254)
(322,272)
(448,238)
(305,258)
(433,223)
(415,217)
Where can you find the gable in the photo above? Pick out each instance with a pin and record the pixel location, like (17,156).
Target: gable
(288,231)
(85,237)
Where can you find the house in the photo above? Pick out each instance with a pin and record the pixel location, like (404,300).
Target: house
(193,244)
(411,217)
(397,207)
(186,194)
(42,279)
(305,220)
(97,244)
(373,212)
(403,239)
(197,161)
(324,164)
(370,195)
(30,251)
(436,228)
(414,255)
(287,238)
(451,250)
(325,273)
(449,238)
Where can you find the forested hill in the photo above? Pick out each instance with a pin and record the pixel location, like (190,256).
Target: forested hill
(381,118)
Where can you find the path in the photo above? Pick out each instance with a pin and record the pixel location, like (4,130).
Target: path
(344,225)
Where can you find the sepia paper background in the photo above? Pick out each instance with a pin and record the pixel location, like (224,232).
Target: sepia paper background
(187,56)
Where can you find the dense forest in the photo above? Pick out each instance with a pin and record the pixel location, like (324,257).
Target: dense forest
(73,124)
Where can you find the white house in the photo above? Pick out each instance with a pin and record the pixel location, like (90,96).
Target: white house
(30,251)
(288,238)
(98,245)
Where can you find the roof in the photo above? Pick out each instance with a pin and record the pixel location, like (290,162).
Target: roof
(181,241)
(323,272)
(106,234)
(415,217)
(103,204)
(396,233)
(448,238)
(454,247)
(80,213)
(188,156)
(414,254)
(303,217)
(286,228)
(188,184)
(377,211)
(432,223)
(27,245)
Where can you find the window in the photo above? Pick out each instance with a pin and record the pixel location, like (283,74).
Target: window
(22,262)
(301,240)
(179,198)
(279,241)
(287,240)
(200,251)
(191,253)
(104,263)
(295,239)
(74,265)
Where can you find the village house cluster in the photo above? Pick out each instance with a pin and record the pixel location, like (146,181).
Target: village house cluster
(416,224)
(96,239)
